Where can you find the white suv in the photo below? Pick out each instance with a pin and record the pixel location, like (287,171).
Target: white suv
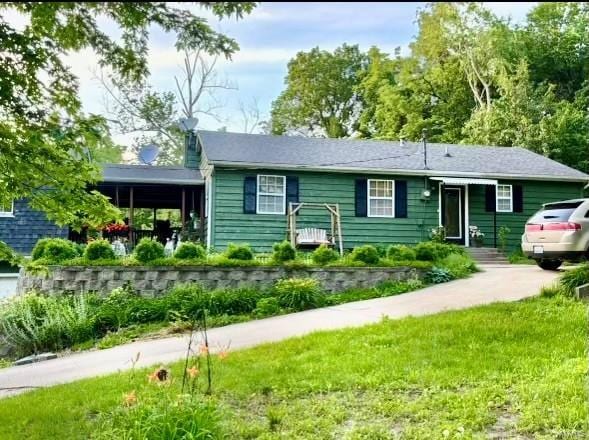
(558,232)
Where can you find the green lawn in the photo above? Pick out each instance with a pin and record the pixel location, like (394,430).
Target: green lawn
(497,371)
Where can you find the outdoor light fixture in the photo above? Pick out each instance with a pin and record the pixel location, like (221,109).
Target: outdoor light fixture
(188,124)
(427,193)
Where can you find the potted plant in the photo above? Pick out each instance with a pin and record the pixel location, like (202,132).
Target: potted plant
(476,235)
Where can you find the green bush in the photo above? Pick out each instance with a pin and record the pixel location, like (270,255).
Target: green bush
(458,265)
(438,275)
(432,251)
(267,307)
(234,301)
(190,251)
(54,250)
(381,249)
(187,301)
(284,251)
(148,250)
(99,250)
(8,256)
(366,254)
(239,252)
(574,278)
(400,252)
(324,255)
(163,417)
(35,323)
(299,293)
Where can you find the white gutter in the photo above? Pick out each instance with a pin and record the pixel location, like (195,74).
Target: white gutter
(420,173)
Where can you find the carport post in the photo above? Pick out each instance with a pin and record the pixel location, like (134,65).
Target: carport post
(131,216)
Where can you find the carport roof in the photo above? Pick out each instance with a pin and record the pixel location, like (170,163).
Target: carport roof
(170,175)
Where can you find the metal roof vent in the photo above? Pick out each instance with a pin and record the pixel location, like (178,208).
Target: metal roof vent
(447,152)
(401,142)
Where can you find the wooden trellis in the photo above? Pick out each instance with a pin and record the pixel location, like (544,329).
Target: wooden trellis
(336,225)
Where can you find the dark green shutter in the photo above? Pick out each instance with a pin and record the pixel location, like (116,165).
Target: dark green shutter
(361,198)
(250,184)
(518,198)
(292,190)
(490,201)
(401,198)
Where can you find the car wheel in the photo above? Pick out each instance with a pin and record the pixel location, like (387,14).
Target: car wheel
(549,264)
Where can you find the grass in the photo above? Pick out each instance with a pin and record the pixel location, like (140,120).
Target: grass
(504,370)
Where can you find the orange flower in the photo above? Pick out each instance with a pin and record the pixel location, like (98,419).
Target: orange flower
(159,375)
(204,349)
(193,372)
(223,354)
(130,399)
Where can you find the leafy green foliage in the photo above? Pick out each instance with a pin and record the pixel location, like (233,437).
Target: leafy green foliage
(148,250)
(8,256)
(400,252)
(320,93)
(284,251)
(366,254)
(35,323)
(163,418)
(324,255)
(99,250)
(299,294)
(46,137)
(267,307)
(574,278)
(458,265)
(438,275)
(239,252)
(432,251)
(190,251)
(54,250)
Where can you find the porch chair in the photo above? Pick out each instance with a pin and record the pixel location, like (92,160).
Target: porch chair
(312,237)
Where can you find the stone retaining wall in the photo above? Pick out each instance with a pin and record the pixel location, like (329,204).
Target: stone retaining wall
(156,280)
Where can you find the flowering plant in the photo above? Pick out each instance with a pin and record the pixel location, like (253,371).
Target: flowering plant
(116,228)
(476,234)
(438,234)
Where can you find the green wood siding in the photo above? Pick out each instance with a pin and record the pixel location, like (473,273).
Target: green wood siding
(535,193)
(230,224)
(262,230)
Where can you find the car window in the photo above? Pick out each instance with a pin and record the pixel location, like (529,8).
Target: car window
(555,212)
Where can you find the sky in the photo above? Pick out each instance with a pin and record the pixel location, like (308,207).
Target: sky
(269,37)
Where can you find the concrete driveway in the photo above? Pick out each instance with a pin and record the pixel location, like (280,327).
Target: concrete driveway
(494,284)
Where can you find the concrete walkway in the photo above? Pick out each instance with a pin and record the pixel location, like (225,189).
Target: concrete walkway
(495,283)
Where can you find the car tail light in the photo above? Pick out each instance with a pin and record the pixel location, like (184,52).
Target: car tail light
(556,226)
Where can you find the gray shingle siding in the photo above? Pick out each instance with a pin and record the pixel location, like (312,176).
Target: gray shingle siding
(22,231)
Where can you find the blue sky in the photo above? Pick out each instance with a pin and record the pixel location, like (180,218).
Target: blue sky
(272,35)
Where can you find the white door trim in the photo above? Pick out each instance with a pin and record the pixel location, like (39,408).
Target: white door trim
(466,209)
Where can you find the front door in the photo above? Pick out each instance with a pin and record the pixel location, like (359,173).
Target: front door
(453,213)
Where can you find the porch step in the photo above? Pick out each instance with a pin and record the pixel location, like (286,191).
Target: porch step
(487,255)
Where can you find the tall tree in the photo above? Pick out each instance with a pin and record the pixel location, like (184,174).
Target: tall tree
(320,98)
(44,136)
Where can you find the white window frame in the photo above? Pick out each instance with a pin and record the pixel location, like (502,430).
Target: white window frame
(391,198)
(510,198)
(8,213)
(259,193)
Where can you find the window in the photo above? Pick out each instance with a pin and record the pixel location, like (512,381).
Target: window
(504,198)
(271,195)
(7,210)
(381,198)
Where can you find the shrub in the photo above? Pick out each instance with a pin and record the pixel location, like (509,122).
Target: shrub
(299,293)
(284,251)
(99,250)
(432,251)
(438,275)
(366,254)
(54,250)
(8,256)
(574,278)
(239,252)
(148,250)
(459,266)
(324,255)
(186,301)
(267,307)
(190,251)
(381,249)
(234,301)
(400,252)
(34,323)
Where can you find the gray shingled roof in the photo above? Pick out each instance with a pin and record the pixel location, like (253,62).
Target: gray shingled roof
(371,155)
(151,174)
